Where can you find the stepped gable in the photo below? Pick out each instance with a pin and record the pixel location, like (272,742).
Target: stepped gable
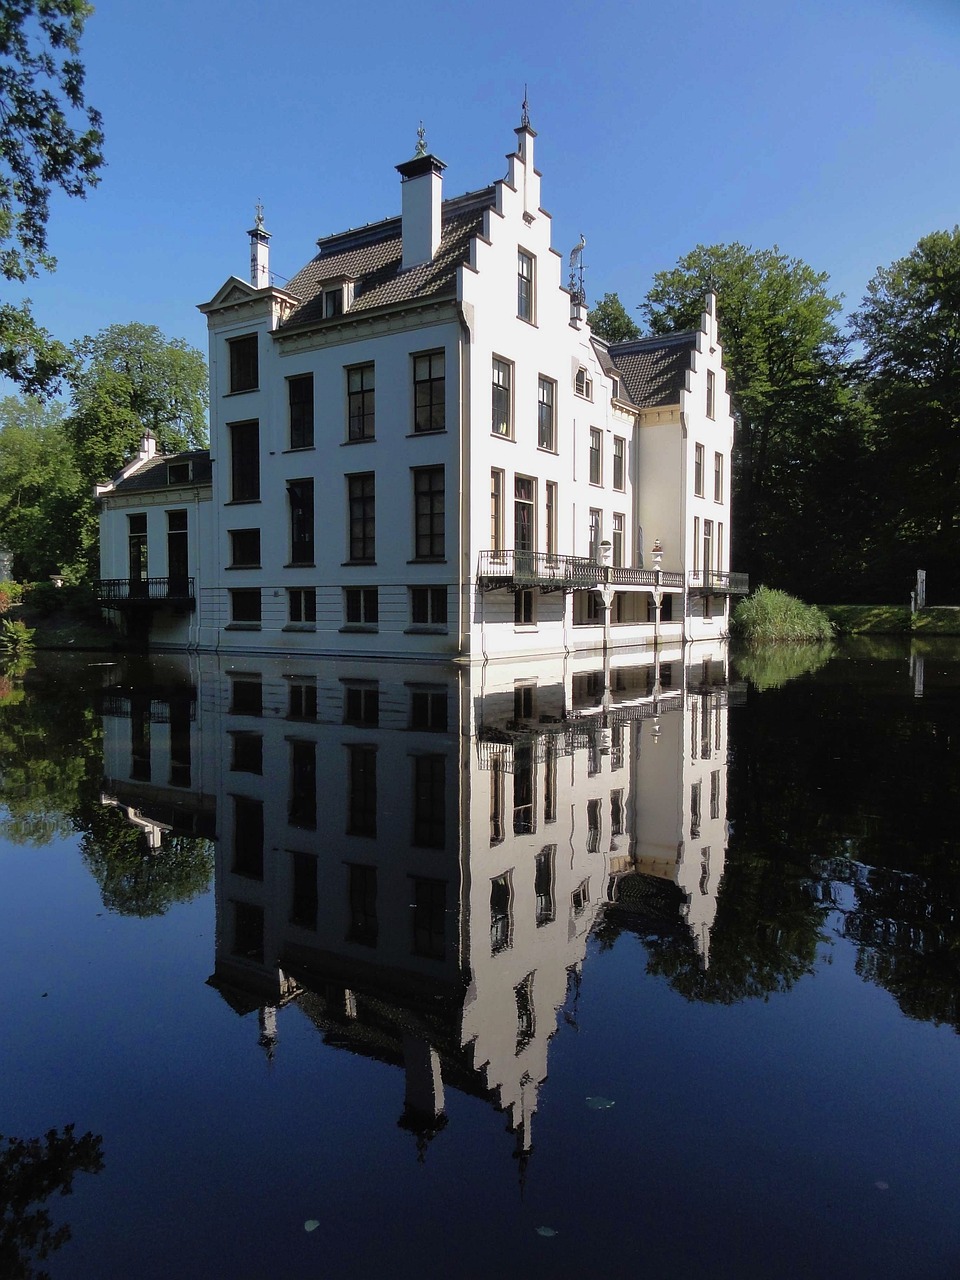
(654,369)
(372,256)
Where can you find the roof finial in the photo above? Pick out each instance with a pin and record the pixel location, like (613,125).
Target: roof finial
(259,218)
(524,113)
(421,141)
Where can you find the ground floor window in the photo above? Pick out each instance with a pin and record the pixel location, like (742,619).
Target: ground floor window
(245,606)
(428,606)
(361,606)
(587,609)
(524,609)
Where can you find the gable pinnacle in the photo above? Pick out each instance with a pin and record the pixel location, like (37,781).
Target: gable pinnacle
(524,113)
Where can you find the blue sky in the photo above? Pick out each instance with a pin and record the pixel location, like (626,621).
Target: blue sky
(828,127)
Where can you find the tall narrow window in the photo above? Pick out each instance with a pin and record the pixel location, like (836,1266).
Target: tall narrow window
(546,414)
(361,493)
(363,927)
(137,548)
(502,417)
(362,792)
(718,477)
(496,799)
(543,879)
(695,814)
(496,510)
(501,914)
(524,807)
(428,497)
(596,456)
(715,794)
(429,918)
(524,528)
(245,460)
(550,780)
(302,810)
(300,399)
(526,1014)
(524,608)
(719,552)
(707,548)
(596,532)
(619,463)
(429,392)
(525,280)
(300,500)
(696,544)
(593,826)
(333,303)
(178,565)
(618,539)
(360,402)
(698,470)
(550,520)
(429,802)
(583,384)
(303,890)
(244,364)
(248,837)
(711,393)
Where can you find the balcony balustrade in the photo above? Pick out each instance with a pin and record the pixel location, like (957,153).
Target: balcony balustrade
(714,583)
(145,593)
(519,569)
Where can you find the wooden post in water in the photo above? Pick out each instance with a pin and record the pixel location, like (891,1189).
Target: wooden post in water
(921,589)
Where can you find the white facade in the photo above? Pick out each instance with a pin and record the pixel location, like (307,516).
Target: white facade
(420,450)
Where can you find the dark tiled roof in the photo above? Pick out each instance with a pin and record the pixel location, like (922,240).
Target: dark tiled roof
(653,369)
(372,256)
(153,475)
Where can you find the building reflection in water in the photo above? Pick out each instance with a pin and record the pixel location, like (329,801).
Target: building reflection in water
(417,854)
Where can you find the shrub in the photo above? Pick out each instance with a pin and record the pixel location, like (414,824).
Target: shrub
(15,637)
(11,593)
(771,617)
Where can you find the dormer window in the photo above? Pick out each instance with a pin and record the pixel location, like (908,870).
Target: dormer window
(179,473)
(333,302)
(584,384)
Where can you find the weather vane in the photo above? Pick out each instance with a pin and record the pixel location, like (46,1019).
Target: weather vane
(421,141)
(524,114)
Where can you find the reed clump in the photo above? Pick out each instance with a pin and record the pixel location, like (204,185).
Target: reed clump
(773,617)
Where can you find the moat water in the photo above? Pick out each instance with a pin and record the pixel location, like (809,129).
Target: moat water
(358,969)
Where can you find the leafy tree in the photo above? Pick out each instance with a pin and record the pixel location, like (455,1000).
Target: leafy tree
(42,494)
(130,378)
(609,319)
(801,429)
(31,1171)
(909,324)
(49,138)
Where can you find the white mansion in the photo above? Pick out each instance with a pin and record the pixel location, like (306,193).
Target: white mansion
(419,449)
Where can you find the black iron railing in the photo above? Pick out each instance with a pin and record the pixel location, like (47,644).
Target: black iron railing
(116,593)
(549,572)
(719,584)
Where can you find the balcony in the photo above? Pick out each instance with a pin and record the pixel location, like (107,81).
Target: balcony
(516,570)
(131,594)
(711,583)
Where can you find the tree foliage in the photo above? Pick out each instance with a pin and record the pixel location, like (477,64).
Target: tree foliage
(909,324)
(609,319)
(800,428)
(49,138)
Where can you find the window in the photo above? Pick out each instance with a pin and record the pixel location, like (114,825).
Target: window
(302,605)
(246,696)
(362,791)
(715,794)
(429,802)
(550,781)
(137,546)
(698,470)
(718,477)
(361,498)
(616,812)
(300,396)
(333,303)
(178,473)
(429,918)
(596,456)
(248,931)
(496,800)
(619,463)
(711,393)
(707,548)
(247,753)
(428,707)
(248,837)
(361,704)
(525,279)
(429,392)
(593,826)
(719,548)
(580,898)
(496,510)
(428,500)
(524,700)
(583,384)
(524,791)
(526,1015)
(245,606)
(696,545)
(502,419)
(428,606)
(524,608)
(524,525)
(302,702)
(363,927)
(244,367)
(244,548)
(543,880)
(178,560)
(360,403)
(695,811)
(550,517)
(501,921)
(596,532)
(244,461)
(302,810)
(300,500)
(546,414)
(618,529)
(361,606)
(140,739)
(303,890)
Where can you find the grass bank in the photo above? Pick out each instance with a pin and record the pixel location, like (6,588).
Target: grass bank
(892,620)
(773,617)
